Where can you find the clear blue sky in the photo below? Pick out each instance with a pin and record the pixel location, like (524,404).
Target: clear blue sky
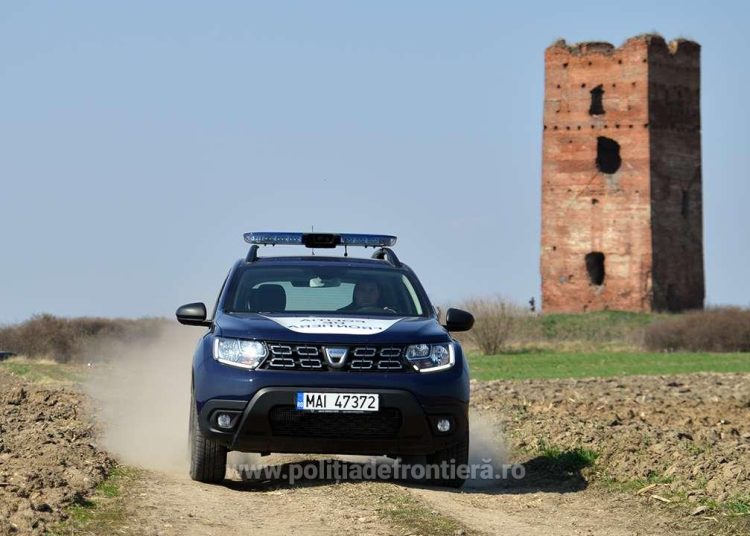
(141,139)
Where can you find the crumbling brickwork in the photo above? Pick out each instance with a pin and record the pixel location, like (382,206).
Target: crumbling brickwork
(621,177)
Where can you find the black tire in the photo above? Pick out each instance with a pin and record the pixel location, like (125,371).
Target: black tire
(455,456)
(208,459)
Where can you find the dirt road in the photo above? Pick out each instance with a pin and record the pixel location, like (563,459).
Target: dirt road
(50,461)
(163,503)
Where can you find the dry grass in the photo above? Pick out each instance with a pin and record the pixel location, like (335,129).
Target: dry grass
(505,327)
(725,329)
(64,339)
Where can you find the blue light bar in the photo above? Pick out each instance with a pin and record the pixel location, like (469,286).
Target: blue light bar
(272,239)
(320,240)
(368,240)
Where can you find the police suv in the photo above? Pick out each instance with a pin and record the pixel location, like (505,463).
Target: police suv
(322,354)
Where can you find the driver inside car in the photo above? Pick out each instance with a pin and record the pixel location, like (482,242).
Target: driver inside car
(366,295)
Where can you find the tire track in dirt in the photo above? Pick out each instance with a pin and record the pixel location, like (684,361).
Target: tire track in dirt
(168,504)
(565,514)
(161,503)
(171,504)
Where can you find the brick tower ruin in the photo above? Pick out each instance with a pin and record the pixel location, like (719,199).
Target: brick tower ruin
(622,216)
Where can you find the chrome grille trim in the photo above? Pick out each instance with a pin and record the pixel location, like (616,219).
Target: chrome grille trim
(308,362)
(282,362)
(389,365)
(309,357)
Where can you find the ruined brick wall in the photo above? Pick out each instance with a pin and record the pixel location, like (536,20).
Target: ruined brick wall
(613,178)
(676,189)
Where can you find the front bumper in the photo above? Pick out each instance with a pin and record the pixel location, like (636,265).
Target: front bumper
(269,423)
(255,397)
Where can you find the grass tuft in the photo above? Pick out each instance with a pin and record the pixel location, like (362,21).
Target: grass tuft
(102,513)
(570,460)
(405,511)
(738,505)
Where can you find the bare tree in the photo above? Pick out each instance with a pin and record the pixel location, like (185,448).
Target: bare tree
(495,321)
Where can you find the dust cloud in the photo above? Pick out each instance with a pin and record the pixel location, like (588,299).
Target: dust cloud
(141,395)
(486,446)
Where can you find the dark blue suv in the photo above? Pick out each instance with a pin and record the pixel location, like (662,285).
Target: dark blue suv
(318,354)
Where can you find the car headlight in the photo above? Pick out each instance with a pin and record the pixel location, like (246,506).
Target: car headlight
(238,352)
(430,357)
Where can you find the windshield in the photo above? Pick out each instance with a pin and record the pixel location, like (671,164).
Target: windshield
(323,289)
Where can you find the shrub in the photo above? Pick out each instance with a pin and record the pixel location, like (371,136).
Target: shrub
(64,339)
(495,321)
(724,329)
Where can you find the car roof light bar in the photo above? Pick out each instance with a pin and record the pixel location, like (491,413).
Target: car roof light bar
(320,240)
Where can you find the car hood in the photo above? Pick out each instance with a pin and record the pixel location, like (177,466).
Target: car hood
(331,329)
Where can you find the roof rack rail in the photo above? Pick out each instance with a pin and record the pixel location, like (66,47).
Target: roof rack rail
(252,255)
(388,255)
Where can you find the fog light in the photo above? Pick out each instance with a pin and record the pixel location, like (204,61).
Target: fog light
(225,421)
(443,425)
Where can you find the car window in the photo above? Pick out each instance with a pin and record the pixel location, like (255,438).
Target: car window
(316,289)
(323,298)
(412,293)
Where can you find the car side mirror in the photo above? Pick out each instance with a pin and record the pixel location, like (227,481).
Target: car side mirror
(458,320)
(193,314)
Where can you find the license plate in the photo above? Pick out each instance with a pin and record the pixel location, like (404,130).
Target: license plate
(337,402)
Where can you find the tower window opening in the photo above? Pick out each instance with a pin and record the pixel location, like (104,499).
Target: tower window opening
(607,155)
(597,107)
(595,267)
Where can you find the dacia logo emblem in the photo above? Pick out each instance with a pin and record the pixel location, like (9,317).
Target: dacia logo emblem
(336,356)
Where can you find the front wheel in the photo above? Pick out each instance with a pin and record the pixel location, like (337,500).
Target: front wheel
(454,459)
(450,464)
(208,459)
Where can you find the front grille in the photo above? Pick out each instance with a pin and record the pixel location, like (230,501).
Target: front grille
(290,422)
(283,356)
